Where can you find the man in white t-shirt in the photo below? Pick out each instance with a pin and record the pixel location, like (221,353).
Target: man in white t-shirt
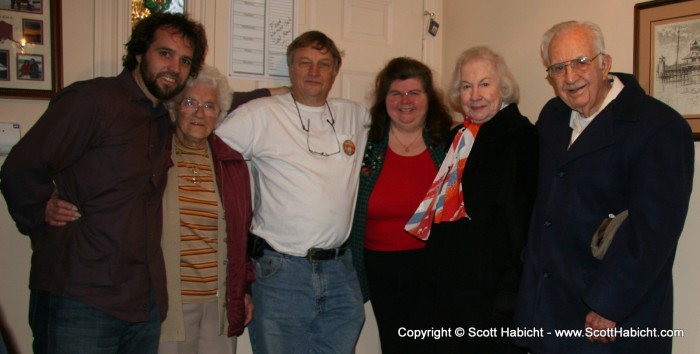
(305,151)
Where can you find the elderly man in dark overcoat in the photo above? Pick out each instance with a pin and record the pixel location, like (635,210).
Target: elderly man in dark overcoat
(605,147)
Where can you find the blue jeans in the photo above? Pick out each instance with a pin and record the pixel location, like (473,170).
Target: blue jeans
(3,348)
(62,325)
(304,306)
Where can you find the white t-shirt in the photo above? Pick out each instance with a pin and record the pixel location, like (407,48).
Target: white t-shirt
(302,200)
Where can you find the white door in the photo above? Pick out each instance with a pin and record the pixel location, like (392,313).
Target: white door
(370,33)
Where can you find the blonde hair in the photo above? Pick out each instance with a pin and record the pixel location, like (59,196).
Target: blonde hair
(510,92)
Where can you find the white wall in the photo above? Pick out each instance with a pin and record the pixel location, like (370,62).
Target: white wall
(514,28)
(511,27)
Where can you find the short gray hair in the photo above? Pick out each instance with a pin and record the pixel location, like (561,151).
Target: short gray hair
(510,92)
(208,76)
(595,32)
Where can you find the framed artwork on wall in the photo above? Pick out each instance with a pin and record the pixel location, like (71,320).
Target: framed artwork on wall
(30,48)
(667,54)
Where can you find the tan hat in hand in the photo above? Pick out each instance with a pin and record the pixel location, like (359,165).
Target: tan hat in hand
(605,234)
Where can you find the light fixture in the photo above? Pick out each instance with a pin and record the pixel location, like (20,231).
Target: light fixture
(21,44)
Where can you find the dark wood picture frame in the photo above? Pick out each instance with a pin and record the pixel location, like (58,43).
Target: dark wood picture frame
(53,68)
(664,62)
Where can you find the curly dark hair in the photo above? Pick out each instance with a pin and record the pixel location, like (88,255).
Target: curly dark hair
(143,34)
(438,120)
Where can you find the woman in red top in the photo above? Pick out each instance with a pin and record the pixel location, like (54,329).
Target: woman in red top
(408,133)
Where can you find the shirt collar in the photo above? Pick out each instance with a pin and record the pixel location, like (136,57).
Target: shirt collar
(615,89)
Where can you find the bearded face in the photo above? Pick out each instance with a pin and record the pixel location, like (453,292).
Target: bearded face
(165,67)
(164,84)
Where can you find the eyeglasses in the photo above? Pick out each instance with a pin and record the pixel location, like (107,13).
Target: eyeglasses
(397,95)
(579,64)
(307,127)
(190,105)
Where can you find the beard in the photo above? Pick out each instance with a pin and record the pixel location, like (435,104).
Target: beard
(150,79)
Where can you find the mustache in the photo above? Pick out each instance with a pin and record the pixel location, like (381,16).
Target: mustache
(575,85)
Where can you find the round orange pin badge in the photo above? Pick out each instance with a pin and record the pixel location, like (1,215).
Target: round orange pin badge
(349,147)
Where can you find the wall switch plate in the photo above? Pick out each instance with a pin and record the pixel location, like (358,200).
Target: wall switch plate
(9,136)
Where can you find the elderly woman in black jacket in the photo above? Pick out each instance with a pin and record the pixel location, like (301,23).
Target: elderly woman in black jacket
(475,217)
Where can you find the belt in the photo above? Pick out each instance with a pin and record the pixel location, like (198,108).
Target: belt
(320,254)
(258,244)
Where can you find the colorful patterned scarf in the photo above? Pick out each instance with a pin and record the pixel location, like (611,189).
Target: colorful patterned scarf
(444,200)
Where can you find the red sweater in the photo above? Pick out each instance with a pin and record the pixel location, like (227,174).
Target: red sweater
(401,186)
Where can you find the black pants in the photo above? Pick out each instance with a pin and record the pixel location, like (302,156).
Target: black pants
(397,284)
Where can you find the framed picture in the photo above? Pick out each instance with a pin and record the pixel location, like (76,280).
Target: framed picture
(667,54)
(30,67)
(4,65)
(30,48)
(33,31)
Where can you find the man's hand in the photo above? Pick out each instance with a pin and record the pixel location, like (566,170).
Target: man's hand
(58,212)
(598,322)
(248,309)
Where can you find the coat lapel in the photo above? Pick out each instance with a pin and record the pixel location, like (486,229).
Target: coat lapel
(556,135)
(555,132)
(598,135)
(501,125)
